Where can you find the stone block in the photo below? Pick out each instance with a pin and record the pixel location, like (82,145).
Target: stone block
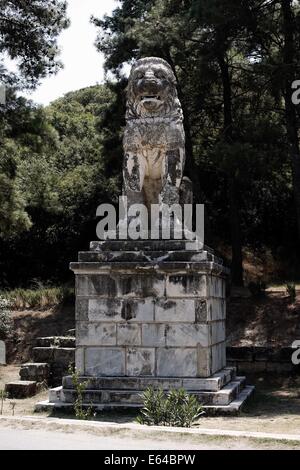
(261,354)
(280,367)
(218,358)
(218,333)
(129,335)
(187,335)
(104,361)
(101,285)
(63,356)
(177,362)
(240,354)
(140,362)
(154,335)
(191,285)
(80,360)
(43,355)
(21,389)
(104,310)
(81,309)
(55,394)
(175,310)
(210,310)
(204,365)
(216,287)
(110,310)
(125,383)
(141,286)
(36,372)
(96,334)
(141,310)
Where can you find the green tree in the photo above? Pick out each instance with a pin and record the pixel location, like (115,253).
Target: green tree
(28,34)
(234,121)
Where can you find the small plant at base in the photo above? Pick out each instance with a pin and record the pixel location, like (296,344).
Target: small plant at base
(291,292)
(80,387)
(177,408)
(3,396)
(154,411)
(13,405)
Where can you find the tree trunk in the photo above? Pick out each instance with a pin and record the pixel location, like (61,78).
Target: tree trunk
(236,235)
(289,59)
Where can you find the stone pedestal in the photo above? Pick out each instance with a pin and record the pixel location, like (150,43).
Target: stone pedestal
(151,313)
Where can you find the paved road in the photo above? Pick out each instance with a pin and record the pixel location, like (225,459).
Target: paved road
(20,439)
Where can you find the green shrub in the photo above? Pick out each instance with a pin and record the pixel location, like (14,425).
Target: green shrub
(176,408)
(5,318)
(79,409)
(257,289)
(291,291)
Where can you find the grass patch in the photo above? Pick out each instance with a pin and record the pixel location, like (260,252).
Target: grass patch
(40,297)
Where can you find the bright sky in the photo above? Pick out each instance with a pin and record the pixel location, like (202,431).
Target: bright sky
(83,65)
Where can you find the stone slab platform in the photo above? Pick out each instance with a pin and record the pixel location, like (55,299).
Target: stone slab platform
(223,391)
(211,384)
(222,397)
(234,408)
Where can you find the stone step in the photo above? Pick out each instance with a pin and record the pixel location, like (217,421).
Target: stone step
(234,408)
(230,392)
(56,341)
(51,355)
(38,372)
(222,397)
(148,245)
(71,333)
(21,389)
(213,384)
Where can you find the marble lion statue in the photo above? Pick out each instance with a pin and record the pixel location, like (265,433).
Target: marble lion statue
(154,138)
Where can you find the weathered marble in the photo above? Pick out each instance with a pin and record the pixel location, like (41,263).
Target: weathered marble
(166,318)
(2,353)
(154,138)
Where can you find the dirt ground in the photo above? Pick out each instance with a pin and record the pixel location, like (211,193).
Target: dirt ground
(269,321)
(31,324)
(275,408)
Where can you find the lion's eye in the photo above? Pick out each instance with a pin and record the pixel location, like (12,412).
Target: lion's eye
(159,75)
(140,75)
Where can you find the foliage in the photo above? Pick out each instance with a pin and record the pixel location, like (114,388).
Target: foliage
(177,408)
(28,34)
(5,317)
(62,175)
(80,411)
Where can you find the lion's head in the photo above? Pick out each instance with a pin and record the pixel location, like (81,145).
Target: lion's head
(152,90)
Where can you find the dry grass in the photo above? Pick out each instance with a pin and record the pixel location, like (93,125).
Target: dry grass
(42,298)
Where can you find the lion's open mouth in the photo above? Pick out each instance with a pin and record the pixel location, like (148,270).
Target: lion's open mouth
(150,98)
